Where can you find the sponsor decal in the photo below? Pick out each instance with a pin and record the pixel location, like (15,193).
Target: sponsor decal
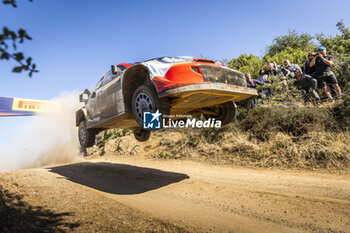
(152,120)
(33,105)
(154,71)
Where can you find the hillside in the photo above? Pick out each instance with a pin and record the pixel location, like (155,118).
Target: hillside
(302,137)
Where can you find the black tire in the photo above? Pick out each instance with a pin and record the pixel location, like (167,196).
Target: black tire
(86,136)
(141,135)
(224,112)
(145,99)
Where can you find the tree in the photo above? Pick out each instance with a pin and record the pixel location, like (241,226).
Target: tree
(293,40)
(246,64)
(9,40)
(296,56)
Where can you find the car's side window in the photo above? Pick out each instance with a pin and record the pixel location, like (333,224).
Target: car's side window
(98,85)
(121,67)
(109,76)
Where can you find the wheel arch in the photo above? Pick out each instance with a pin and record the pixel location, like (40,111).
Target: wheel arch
(134,77)
(80,115)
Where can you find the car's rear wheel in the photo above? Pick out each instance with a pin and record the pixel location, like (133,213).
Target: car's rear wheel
(145,99)
(86,136)
(141,135)
(224,112)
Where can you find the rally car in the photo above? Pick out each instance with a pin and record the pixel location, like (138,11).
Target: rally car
(171,85)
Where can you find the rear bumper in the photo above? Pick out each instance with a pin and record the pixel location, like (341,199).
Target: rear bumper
(207,94)
(221,75)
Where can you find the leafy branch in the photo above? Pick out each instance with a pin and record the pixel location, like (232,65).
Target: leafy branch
(8,39)
(11,2)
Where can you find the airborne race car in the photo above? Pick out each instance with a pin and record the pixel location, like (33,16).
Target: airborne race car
(172,85)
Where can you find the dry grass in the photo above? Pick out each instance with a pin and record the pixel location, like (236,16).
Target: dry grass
(288,137)
(313,150)
(270,136)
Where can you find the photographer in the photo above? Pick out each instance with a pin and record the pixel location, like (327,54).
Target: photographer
(322,64)
(307,84)
(307,69)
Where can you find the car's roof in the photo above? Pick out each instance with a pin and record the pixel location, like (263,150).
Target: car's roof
(170,59)
(176,59)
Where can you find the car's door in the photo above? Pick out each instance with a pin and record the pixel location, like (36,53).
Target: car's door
(111,94)
(115,92)
(92,107)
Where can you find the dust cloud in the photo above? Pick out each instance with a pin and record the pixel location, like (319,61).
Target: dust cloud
(44,139)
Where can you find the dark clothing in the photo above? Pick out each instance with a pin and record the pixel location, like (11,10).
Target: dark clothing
(270,72)
(264,91)
(313,94)
(322,72)
(253,83)
(321,67)
(306,82)
(263,79)
(323,80)
(307,69)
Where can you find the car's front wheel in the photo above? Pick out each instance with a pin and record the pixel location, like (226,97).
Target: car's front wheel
(86,136)
(145,99)
(224,112)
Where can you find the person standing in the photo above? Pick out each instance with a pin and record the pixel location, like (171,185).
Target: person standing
(322,64)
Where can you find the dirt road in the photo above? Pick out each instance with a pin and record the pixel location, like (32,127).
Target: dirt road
(129,195)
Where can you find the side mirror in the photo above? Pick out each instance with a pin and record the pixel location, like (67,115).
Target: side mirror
(84,96)
(115,69)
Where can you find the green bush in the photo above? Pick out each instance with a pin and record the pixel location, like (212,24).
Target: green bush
(109,134)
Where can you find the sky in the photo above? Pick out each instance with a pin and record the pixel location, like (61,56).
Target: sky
(75,42)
